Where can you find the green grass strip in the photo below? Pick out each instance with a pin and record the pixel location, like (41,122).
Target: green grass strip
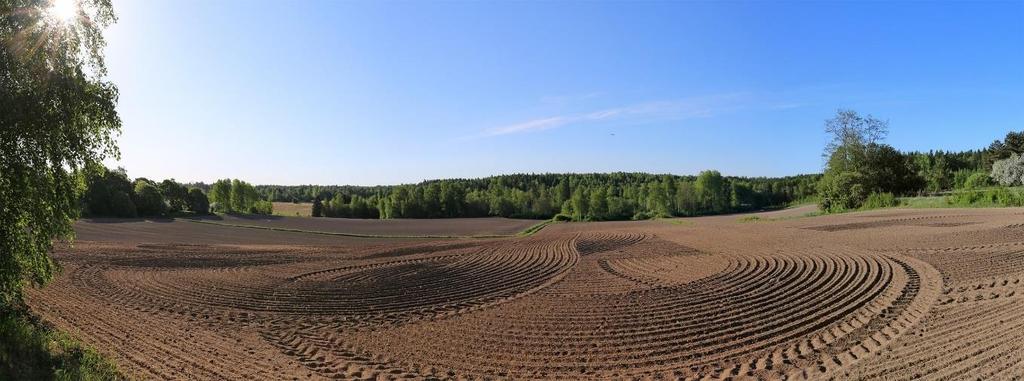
(31,350)
(534,229)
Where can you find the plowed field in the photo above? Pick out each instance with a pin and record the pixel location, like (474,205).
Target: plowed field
(895,295)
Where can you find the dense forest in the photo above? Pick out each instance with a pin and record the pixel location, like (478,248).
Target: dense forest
(576,197)
(612,196)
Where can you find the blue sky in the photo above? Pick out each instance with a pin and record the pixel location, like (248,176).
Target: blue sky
(333,92)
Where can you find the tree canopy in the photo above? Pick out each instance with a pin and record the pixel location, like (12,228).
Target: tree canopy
(860,165)
(595,196)
(109,193)
(58,116)
(1009,171)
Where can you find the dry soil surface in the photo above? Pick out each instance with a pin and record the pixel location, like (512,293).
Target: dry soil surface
(894,294)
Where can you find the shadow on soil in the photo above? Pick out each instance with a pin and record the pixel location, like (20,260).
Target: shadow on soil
(249,217)
(112,220)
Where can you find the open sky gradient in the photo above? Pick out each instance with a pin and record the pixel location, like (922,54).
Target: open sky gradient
(335,92)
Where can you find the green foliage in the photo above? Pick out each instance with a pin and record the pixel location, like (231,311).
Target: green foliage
(871,167)
(175,194)
(841,191)
(877,200)
(998,196)
(976,180)
(57,114)
(534,229)
(359,207)
(713,193)
(1000,150)
(318,208)
(887,170)
(108,193)
(121,205)
(939,170)
(31,351)
(148,200)
(922,202)
(237,196)
(583,197)
(859,165)
(220,193)
(262,207)
(749,219)
(198,203)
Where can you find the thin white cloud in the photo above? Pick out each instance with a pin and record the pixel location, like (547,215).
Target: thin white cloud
(696,107)
(532,125)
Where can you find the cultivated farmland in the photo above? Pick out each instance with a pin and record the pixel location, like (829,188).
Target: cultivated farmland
(894,294)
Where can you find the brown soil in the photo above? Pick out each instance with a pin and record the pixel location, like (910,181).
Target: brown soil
(394,227)
(900,294)
(182,231)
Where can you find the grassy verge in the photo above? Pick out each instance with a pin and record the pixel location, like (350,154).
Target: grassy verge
(803,201)
(925,202)
(528,231)
(749,219)
(995,197)
(992,197)
(29,350)
(535,228)
(677,221)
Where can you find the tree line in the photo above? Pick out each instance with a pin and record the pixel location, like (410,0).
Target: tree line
(862,170)
(578,197)
(236,196)
(110,193)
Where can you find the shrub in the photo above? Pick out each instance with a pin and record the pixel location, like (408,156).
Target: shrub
(977,180)
(841,191)
(880,200)
(1000,196)
(262,207)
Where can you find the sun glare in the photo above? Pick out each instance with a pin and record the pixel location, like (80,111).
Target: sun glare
(63,10)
